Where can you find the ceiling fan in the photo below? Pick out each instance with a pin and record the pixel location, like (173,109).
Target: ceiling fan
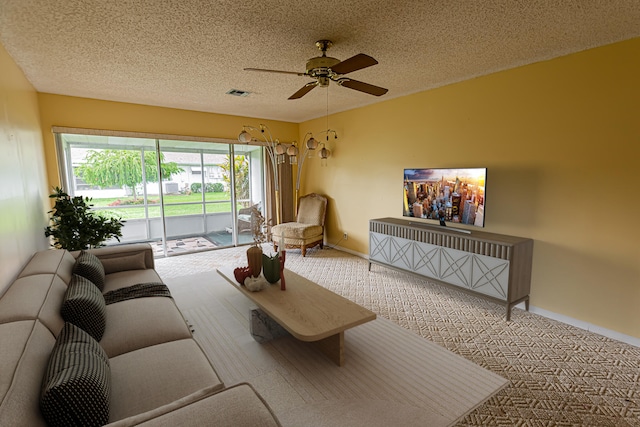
(325,69)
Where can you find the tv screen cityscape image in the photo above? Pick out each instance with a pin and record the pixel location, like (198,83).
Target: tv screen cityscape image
(446,195)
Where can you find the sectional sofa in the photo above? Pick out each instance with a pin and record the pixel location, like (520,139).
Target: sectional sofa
(144,366)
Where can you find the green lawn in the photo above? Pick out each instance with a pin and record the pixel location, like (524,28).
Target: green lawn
(215,202)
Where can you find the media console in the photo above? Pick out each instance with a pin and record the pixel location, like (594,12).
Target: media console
(491,265)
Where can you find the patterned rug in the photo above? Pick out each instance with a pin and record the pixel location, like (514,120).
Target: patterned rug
(560,375)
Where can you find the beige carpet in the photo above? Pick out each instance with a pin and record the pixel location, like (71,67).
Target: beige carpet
(390,377)
(559,375)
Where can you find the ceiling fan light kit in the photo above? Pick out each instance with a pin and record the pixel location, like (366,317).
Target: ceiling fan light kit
(325,69)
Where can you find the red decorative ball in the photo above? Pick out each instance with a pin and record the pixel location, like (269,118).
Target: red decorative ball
(241,273)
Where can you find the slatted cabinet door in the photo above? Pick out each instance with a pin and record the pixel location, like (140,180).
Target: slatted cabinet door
(492,265)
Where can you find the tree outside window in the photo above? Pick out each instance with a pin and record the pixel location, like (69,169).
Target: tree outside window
(123,168)
(241,171)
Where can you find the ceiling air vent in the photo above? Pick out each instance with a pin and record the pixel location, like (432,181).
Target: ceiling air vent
(237,92)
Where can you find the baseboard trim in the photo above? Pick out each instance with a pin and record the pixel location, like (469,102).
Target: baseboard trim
(583,325)
(349,251)
(628,339)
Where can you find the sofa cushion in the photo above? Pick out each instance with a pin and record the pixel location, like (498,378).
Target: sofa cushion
(84,306)
(123,279)
(137,323)
(116,251)
(158,375)
(134,261)
(25,347)
(55,261)
(240,406)
(37,296)
(89,266)
(77,383)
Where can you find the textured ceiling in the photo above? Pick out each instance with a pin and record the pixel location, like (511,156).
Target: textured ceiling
(187,53)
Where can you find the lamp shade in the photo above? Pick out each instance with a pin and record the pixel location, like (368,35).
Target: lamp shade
(292,150)
(244,137)
(312,144)
(324,153)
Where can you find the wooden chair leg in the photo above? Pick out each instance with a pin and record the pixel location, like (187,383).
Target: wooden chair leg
(304,250)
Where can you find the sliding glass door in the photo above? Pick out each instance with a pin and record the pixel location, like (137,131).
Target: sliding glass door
(181,196)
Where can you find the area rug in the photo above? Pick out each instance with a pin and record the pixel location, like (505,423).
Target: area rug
(391,376)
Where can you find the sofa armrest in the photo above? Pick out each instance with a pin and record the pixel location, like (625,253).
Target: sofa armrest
(238,406)
(125,257)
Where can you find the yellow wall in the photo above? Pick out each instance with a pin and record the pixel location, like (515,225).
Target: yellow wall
(561,141)
(23,191)
(57,110)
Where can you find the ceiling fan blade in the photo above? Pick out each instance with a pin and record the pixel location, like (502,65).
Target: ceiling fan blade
(304,90)
(275,71)
(357,62)
(363,87)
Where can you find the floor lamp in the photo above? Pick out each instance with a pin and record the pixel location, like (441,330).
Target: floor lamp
(311,145)
(274,149)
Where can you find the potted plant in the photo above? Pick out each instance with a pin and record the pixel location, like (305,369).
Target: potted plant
(74,226)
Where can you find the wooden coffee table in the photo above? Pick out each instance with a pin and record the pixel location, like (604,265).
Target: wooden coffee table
(308,311)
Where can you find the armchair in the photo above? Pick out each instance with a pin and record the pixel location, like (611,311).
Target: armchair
(308,229)
(245,218)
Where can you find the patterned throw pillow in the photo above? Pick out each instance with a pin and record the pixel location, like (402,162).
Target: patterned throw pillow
(84,306)
(88,265)
(77,383)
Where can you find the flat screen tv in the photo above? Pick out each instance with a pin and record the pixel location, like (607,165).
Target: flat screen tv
(446,195)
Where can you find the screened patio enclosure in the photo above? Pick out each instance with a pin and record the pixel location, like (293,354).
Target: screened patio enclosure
(180,196)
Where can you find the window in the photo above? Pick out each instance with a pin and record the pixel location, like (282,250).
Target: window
(189,203)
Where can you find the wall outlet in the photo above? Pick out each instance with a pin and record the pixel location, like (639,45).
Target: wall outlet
(345,237)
